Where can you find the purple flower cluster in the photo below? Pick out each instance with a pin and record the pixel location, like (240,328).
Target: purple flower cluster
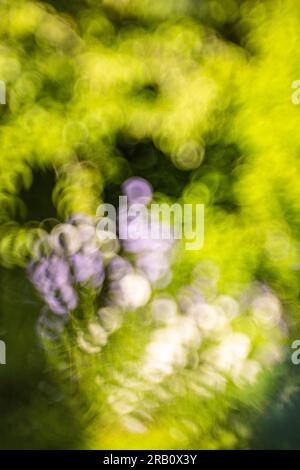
(74,260)
(146,259)
(51,276)
(145,240)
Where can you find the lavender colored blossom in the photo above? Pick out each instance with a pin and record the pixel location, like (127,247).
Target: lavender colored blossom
(148,239)
(57,276)
(118,268)
(137,190)
(51,277)
(88,267)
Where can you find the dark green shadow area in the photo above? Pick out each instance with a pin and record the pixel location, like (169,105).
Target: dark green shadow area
(279,426)
(34,412)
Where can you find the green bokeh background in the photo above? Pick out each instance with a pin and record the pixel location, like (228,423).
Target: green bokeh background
(195,96)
